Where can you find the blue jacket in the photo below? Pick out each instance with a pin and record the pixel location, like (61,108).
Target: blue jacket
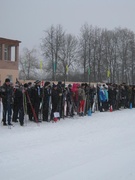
(102,95)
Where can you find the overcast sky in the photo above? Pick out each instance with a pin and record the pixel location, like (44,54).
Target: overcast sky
(25,20)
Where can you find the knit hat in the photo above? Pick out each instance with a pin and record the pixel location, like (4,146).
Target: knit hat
(29,83)
(37,81)
(69,85)
(54,86)
(7,80)
(47,84)
(25,85)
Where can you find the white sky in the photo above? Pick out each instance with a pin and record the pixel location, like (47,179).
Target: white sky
(25,20)
(97,147)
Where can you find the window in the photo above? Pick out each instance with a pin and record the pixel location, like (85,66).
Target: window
(13,53)
(0,51)
(6,53)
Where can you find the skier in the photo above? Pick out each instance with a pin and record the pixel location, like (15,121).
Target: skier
(29,110)
(55,101)
(60,100)
(70,101)
(7,100)
(102,98)
(16,103)
(46,101)
(81,98)
(36,97)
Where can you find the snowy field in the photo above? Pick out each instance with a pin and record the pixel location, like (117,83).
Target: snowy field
(97,147)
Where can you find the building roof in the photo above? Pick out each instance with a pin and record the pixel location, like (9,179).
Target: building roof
(9,41)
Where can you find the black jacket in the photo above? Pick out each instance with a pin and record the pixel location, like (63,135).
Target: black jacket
(7,94)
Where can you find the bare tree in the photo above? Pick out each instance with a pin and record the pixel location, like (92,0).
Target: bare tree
(96,51)
(103,50)
(50,47)
(132,55)
(124,39)
(28,64)
(84,48)
(67,55)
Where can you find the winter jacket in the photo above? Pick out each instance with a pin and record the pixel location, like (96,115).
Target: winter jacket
(81,94)
(102,95)
(7,94)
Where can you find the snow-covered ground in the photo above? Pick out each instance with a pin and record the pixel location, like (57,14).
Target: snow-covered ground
(97,147)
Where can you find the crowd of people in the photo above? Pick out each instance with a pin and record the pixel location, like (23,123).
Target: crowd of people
(51,102)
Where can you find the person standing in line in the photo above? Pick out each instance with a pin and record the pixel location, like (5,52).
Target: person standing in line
(81,98)
(36,97)
(70,101)
(16,91)
(102,98)
(7,101)
(46,101)
(55,100)
(29,109)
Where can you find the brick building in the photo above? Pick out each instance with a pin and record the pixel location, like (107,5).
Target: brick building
(9,57)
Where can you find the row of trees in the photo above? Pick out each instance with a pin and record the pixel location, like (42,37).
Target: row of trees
(95,55)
